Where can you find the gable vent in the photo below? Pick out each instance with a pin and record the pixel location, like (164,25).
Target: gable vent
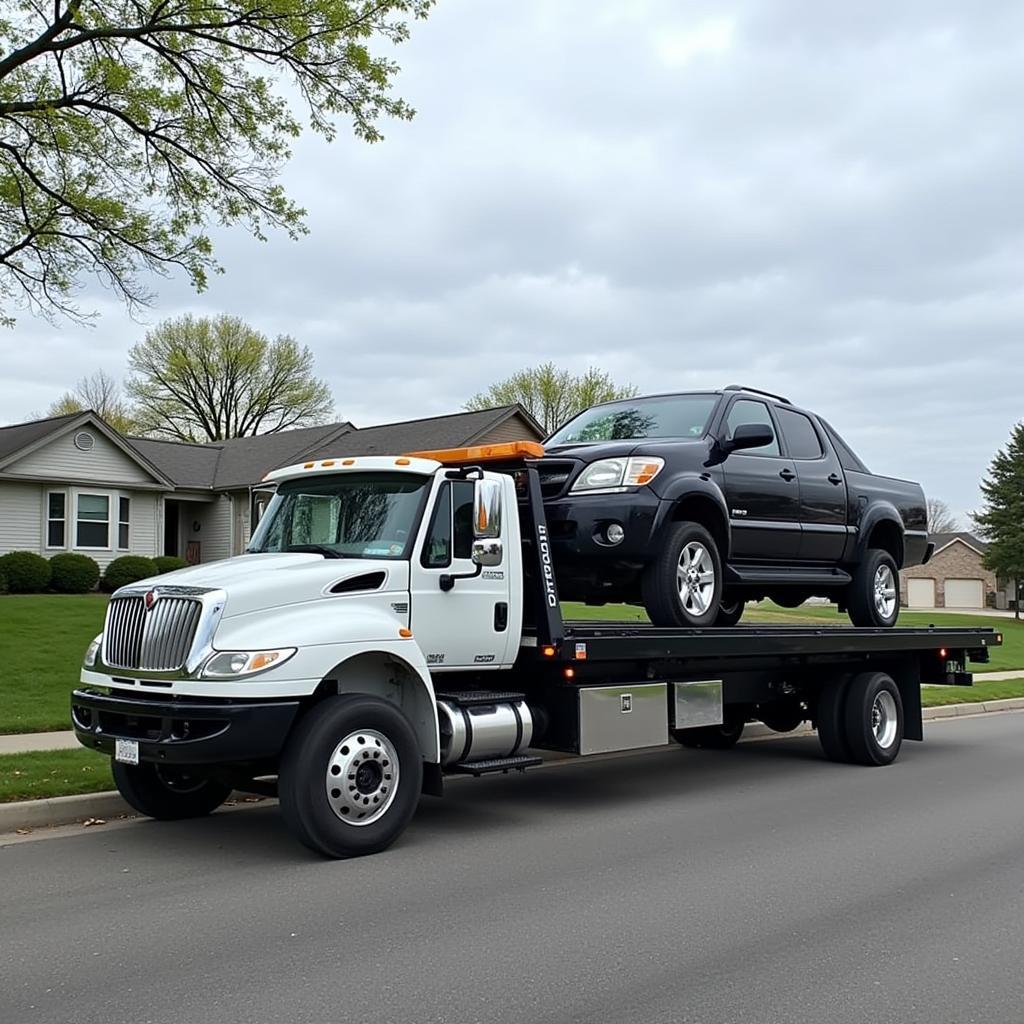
(366,581)
(84,441)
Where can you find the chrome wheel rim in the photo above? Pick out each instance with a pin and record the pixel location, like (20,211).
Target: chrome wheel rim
(695,578)
(885,591)
(362,777)
(884,719)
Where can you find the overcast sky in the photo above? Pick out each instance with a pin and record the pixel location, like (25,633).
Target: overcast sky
(816,198)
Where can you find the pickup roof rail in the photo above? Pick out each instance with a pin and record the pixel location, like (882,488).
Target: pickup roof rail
(756,391)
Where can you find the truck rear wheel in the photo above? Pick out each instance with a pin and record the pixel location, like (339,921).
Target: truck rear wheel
(351,775)
(683,585)
(874,719)
(730,612)
(167,792)
(830,719)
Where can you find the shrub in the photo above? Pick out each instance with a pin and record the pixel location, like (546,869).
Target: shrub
(128,569)
(3,581)
(26,572)
(73,574)
(168,563)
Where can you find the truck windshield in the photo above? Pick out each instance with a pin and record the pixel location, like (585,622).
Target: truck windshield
(351,515)
(665,416)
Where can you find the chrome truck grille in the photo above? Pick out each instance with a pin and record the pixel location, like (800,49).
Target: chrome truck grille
(153,640)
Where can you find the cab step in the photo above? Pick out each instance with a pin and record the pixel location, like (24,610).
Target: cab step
(474,698)
(498,764)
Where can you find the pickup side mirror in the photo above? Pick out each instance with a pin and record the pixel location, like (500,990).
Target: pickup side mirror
(487,510)
(749,435)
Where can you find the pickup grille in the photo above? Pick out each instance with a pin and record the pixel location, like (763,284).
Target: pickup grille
(554,476)
(157,640)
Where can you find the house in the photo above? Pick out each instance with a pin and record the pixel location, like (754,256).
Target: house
(73,483)
(955,577)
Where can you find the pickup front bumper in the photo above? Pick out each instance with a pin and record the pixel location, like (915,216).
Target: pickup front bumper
(183,731)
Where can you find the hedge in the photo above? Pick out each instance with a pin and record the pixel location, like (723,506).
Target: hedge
(25,572)
(73,574)
(168,563)
(128,569)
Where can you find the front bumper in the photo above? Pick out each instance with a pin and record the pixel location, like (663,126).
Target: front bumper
(183,730)
(576,526)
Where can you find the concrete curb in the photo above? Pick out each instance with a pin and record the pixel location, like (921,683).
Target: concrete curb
(67,810)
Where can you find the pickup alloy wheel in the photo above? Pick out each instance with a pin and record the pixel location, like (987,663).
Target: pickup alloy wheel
(683,585)
(874,592)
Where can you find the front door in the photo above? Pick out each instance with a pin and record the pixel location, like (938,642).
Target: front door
(761,490)
(465,627)
(822,488)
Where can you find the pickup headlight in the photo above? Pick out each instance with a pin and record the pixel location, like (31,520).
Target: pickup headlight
(617,474)
(230,664)
(92,652)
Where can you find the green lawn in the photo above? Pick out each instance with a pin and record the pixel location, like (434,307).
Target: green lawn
(1003,689)
(1009,656)
(53,773)
(43,638)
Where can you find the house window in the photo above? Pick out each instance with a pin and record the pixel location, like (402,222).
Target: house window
(92,521)
(56,519)
(123,517)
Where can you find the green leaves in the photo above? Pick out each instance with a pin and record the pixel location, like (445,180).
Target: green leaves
(126,126)
(201,379)
(1001,520)
(552,396)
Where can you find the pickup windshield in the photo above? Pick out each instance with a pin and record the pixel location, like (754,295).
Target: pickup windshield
(351,515)
(666,416)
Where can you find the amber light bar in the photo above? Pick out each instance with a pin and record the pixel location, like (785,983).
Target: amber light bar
(484,453)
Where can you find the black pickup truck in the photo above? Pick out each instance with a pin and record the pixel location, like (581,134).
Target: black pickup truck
(692,504)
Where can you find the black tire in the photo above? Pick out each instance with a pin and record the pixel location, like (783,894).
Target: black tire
(168,793)
(830,719)
(711,737)
(863,604)
(782,715)
(317,746)
(874,719)
(789,598)
(729,613)
(659,585)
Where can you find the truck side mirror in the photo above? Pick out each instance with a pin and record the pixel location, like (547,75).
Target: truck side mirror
(487,552)
(487,510)
(749,435)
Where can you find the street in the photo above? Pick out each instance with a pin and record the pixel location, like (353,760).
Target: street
(758,885)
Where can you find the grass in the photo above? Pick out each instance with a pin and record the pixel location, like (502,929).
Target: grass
(1009,656)
(1002,689)
(48,773)
(43,638)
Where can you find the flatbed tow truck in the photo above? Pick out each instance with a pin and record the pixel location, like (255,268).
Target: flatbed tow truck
(396,622)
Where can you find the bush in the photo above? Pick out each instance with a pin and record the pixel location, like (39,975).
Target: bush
(73,574)
(3,581)
(128,569)
(25,572)
(168,563)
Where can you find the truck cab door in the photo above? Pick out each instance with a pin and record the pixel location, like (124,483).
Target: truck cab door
(468,625)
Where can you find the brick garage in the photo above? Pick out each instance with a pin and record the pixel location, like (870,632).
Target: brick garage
(955,577)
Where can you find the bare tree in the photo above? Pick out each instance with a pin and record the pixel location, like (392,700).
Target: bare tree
(940,517)
(101,393)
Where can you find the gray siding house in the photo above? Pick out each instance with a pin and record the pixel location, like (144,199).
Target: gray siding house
(73,483)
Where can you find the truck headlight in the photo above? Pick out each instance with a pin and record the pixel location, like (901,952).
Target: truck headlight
(617,474)
(92,652)
(229,664)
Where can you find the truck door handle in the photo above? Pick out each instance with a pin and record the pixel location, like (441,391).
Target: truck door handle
(835,478)
(787,474)
(500,617)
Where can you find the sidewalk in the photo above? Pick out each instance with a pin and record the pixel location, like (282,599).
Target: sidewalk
(24,742)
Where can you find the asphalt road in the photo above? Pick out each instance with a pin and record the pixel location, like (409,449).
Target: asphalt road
(757,885)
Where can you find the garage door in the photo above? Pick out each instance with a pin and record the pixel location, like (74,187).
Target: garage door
(965,594)
(921,593)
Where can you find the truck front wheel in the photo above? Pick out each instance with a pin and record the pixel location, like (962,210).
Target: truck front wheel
(167,792)
(683,585)
(351,775)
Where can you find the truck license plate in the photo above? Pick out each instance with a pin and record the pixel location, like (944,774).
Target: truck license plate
(126,751)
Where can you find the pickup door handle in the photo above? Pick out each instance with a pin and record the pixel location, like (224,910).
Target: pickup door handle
(787,474)
(835,478)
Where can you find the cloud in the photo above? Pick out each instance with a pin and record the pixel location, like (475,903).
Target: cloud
(810,198)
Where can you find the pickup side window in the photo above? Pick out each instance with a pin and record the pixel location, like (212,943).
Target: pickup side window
(847,457)
(450,527)
(746,410)
(802,441)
